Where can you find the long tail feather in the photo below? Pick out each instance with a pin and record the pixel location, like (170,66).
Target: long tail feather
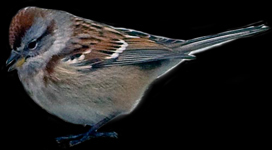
(200,44)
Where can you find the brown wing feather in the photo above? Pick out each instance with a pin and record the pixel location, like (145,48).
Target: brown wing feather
(99,42)
(143,43)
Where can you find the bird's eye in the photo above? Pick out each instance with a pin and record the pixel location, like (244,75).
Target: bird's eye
(32,45)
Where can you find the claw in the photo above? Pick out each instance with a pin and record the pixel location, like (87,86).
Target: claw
(87,137)
(71,137)
(80,138)
(77,139)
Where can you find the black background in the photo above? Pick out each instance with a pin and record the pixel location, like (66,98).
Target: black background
(220,100)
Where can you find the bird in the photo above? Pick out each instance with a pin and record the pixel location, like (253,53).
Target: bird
(88,73)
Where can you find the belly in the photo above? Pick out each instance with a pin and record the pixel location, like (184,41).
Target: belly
(87,98)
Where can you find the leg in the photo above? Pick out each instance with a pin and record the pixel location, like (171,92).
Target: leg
(92,133)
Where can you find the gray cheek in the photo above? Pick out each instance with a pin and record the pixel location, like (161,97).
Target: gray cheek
(32,66)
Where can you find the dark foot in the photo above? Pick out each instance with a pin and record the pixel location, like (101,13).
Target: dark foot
(77,139)
(87,137)
(80,138)
(68,138)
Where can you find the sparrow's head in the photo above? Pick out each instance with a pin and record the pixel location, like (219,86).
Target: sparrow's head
(32,33)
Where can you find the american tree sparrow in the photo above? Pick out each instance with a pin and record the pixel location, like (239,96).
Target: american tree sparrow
(87,72)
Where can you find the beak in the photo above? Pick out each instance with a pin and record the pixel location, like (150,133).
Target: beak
(17,58)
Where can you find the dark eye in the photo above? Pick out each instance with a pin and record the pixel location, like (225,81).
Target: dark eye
(32,45)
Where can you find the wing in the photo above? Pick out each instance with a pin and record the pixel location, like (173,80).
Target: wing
(98,45)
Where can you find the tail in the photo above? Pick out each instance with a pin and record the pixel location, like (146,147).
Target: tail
(187,48)
(200,44)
